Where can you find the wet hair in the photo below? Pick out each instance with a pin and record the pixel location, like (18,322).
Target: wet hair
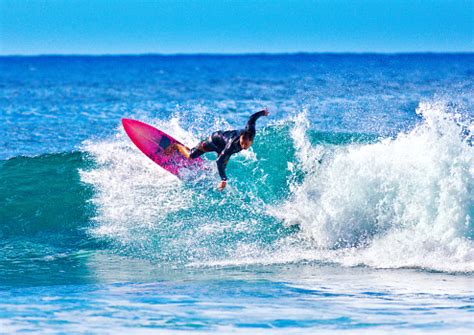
(248,136)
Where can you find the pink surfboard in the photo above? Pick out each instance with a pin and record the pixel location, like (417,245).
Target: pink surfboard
(153,143)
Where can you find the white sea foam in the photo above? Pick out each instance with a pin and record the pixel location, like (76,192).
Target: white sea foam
(146,210)
(399,202)
(131,192)
(402,202)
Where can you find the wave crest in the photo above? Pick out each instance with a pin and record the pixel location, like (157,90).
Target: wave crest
(396,202)
(402,202)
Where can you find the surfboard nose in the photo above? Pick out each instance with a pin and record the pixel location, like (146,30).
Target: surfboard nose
(126,122)
(131,122)
(130,125)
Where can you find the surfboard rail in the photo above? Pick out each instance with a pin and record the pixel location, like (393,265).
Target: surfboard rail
(154,144)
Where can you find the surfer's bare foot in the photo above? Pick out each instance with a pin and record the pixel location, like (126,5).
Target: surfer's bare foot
(171,148)
(182,149)
(222,185)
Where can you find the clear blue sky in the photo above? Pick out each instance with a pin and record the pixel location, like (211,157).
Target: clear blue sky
(238,26)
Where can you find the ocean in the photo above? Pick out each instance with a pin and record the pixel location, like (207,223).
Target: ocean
(352,213)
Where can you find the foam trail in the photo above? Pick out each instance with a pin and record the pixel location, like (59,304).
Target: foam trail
(403,202)
(131,192)
(146,212)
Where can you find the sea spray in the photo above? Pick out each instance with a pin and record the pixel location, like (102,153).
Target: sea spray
(298,195)
(131,192)
(143,211)
(402,202)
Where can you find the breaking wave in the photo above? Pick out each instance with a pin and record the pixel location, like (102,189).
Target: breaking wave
(298,195)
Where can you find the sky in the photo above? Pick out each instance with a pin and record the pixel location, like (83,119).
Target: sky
(31,27)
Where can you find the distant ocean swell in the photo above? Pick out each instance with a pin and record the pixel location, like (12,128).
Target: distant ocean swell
(299,195)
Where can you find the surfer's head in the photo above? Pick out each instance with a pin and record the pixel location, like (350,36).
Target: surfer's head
(246,139)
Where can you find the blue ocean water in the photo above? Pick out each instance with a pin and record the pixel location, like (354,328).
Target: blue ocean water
(351,213)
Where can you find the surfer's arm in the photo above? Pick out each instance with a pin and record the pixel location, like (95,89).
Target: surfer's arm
(224,158)
(222,163)
(253,118)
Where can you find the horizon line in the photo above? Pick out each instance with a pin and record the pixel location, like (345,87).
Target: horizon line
(218,54)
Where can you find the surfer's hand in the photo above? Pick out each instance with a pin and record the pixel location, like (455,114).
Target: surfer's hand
(222,185)
(265,111)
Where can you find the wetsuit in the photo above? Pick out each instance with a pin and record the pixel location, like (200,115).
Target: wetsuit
(225,143)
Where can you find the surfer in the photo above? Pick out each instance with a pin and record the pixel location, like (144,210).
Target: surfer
(225,143)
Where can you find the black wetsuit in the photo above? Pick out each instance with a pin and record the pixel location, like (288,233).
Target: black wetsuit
(225,143)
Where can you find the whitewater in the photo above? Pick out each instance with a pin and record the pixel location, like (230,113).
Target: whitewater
(408,198)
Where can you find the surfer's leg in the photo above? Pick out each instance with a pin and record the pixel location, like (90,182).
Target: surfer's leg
(195,153)
(202,148)
(183,150)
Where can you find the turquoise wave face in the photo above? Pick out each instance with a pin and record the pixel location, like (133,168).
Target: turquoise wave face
(51,219)
(45,215)
(297,196)
(43,194)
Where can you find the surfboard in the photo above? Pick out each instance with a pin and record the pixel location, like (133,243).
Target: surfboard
(153,143)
